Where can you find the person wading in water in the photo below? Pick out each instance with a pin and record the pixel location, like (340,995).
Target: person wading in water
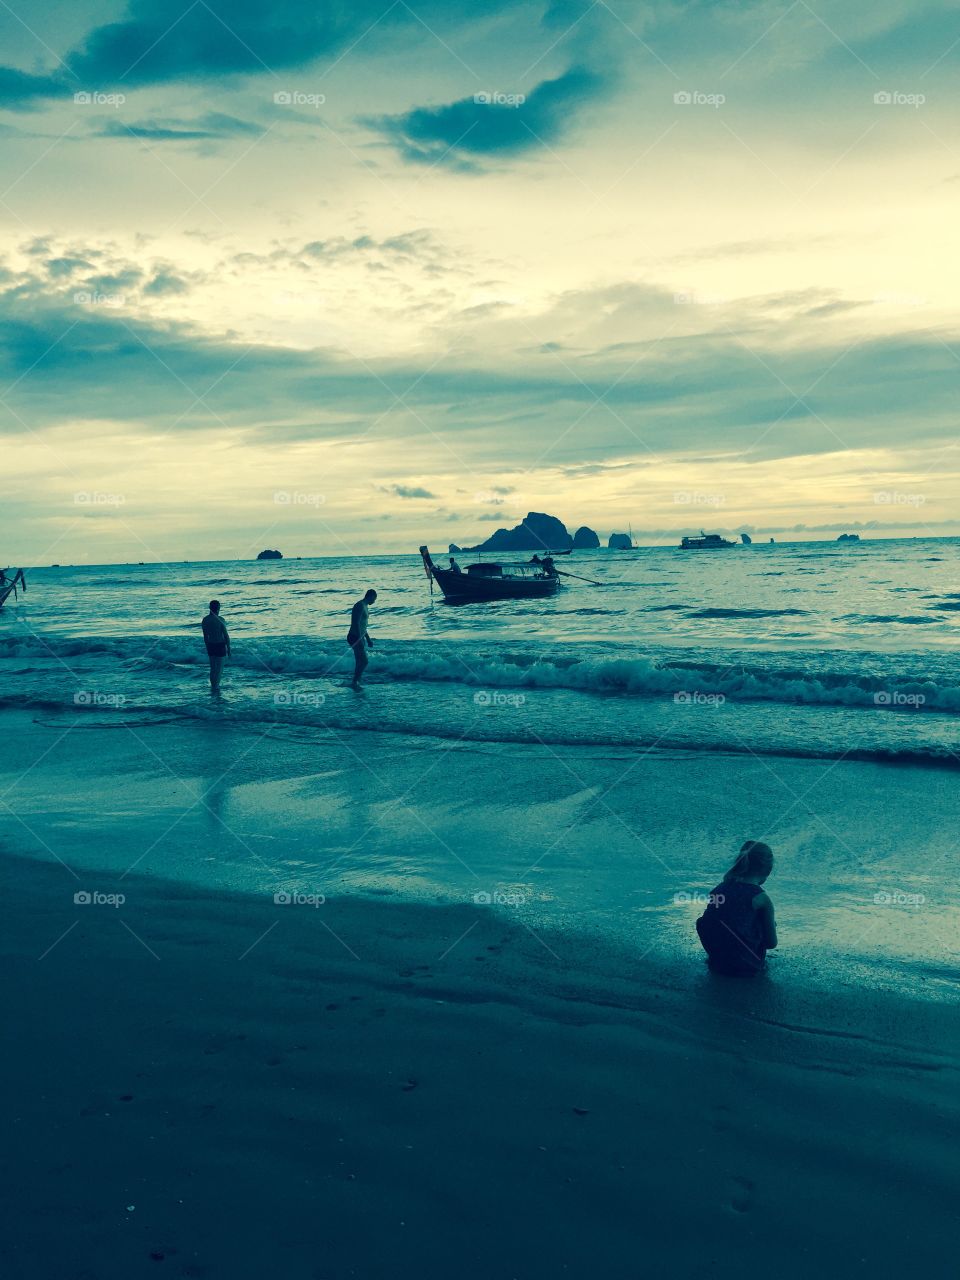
(738,927)
(357,637)
(217,640)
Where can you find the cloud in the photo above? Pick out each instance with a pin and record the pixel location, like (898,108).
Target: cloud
(19,90)
(166,284)
(160,41)
(797,387)
(59,267)
(419,247)
(478,126)
(213,124)
(406,491)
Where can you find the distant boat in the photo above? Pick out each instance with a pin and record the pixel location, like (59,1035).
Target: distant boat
(746,539)
(8,585)
(706,542)
(493,580)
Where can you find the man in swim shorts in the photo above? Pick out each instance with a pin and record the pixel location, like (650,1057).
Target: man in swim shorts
(357,637)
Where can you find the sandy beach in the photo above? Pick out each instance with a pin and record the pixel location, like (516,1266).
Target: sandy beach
(222,1085)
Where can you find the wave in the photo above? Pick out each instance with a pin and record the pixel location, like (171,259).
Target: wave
(296,721)
(637,676)
(907,619)
(748,613)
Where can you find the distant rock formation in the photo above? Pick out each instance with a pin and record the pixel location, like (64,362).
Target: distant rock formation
(620,542)
(536,532)
(849,537)
(454,549)
(585,539)
(270,555)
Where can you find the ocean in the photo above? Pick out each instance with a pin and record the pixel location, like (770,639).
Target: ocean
(593,759)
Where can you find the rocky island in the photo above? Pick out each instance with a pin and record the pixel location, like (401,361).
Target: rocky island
(270,555)
(535,532)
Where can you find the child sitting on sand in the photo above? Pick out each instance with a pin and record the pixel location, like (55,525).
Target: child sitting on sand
(738,929)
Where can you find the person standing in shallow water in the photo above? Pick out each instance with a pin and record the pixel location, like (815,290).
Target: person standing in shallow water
(738,927)
(358,638)
(217,640)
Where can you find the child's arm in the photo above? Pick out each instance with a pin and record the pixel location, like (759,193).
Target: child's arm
(764,909)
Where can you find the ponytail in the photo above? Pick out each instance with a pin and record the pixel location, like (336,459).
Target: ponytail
(755,858)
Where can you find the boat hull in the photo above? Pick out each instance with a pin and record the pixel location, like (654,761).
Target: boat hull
(463,587)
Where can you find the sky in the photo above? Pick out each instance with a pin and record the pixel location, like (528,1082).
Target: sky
(344,279)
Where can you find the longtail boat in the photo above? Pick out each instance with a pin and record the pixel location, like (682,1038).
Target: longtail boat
(9,585)
(494,580)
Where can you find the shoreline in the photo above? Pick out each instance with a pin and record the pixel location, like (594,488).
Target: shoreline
(270,1098)
(614,846)
(388,1084)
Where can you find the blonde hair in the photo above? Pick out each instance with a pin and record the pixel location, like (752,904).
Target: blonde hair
(755,859)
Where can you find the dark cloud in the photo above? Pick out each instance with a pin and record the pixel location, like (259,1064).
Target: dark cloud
(19,90)
(406,491)
(699,395)
(473,127)
(166,284)
(158,41)
(212,125)
(61,267)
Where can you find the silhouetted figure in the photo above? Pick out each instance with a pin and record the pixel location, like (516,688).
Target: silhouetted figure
(217,640)
(357,637)
(454,567)
(548,567)
(738,928)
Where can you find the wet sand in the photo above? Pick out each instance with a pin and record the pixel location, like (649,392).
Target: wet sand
(213,1084)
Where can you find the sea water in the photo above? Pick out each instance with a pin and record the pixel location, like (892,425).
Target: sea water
(613,726)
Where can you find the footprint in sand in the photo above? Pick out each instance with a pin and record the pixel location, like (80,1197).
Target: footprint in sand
(741,1199)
